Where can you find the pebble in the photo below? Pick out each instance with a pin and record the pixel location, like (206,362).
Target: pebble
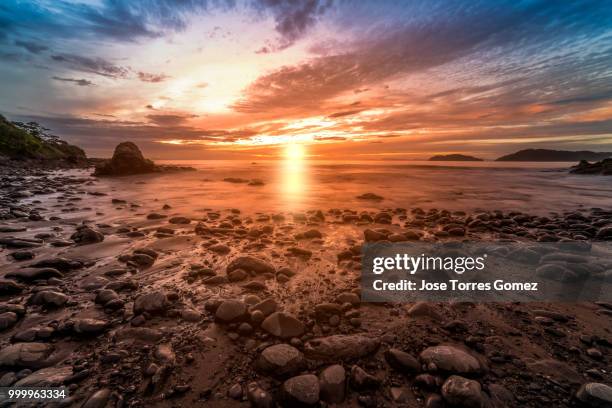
(332,384)
(301,391)
(280,360)
(462,392)
(283,325)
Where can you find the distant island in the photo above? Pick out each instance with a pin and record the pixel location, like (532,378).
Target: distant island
(544,155)
(454,157)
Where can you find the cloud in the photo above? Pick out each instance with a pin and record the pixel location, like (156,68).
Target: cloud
(169,119)
(98,66)
(487,33)
(33,47)
(79,82)
(292,18)
(154,78)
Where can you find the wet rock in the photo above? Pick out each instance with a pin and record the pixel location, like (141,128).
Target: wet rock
(237,275)
(596,395)
(402,361)
(220,249)
(462,392)
(7,320)
(258,397)
(46,377)
(86,235)
(11,242)
(191,315)
(89,326)
(29,355)
(231,311)
(155,216)
(61,264)
(400,395)
(605,233)
(30,274)
(235,392)
(179,220)
(362,380)
(98,399)
(450,359)
(266,307)
(142,260)
(9,287)
(152,303)
(374,236)
(340,347)
(139,333)
(165,355)
(301,391)
(8,379)
(251,264)
(127,159)
(48,298)
(22,255)
(106,295)
(283,325)
(424,309)
(332,384)
(280,360)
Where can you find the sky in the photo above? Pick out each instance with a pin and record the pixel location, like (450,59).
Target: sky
(345,79)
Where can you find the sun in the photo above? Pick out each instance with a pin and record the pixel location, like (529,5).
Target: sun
(294,151)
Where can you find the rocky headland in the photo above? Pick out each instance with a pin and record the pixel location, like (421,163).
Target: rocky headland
(128,160)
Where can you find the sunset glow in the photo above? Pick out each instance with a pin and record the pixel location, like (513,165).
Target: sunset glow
(216,80)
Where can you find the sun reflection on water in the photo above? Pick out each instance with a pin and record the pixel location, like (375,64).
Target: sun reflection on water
(294,175)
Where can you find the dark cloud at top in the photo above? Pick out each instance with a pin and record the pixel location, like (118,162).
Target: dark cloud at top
(293,18)
(79,82)
(488,32)
(97,66)
(31,46)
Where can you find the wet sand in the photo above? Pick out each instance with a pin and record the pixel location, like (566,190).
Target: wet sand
(182,287)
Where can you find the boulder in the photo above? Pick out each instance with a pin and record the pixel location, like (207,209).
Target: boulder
(127,159)
(596,395)
(153,303)
(280,360)
(283,325)
(402,361)
(450,359)
(340,347)
(28,355)
(48,298)
(332,384)
(85,235)
(46,377)
(301,391)
(462,392)
(231,311)
(251,264)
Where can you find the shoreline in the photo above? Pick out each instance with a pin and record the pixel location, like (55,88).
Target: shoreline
(181,307)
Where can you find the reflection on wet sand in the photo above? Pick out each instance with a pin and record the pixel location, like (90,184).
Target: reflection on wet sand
(294,176)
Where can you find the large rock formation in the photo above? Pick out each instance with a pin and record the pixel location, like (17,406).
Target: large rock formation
(128,160)
(603,167)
